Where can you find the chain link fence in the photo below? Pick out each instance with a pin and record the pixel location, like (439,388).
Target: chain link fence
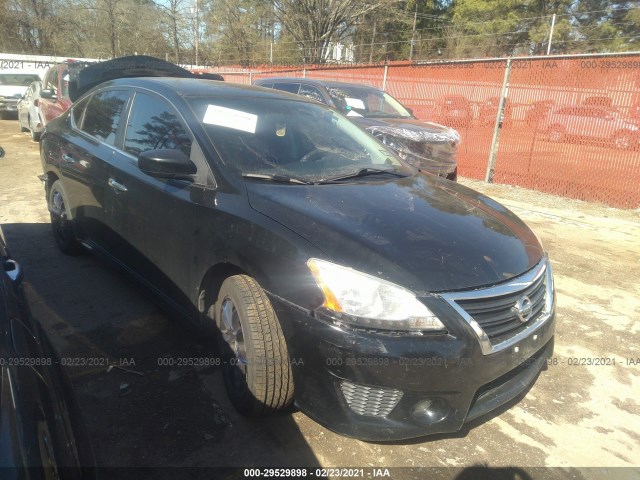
(566,125)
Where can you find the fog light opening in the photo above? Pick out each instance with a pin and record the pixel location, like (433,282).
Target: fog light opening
(430,411)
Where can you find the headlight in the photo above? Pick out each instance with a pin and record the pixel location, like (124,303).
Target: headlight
(398,145)
(367,301)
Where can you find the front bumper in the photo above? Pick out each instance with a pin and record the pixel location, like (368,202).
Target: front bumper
(422,385)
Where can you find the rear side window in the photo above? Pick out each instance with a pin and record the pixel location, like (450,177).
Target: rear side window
(287,87)
(102,115)
(77,110)
(155,124)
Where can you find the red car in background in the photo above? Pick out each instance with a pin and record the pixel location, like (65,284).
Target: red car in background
(55,99)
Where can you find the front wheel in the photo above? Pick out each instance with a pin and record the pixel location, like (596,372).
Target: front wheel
(60,224)
(257,370)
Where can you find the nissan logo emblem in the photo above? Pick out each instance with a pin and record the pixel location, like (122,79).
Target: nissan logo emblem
(523,308)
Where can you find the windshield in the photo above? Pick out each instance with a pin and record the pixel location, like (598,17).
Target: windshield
(17,79)
(287,138)
(366,101)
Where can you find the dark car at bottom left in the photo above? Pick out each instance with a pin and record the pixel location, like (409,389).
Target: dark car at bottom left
(41,432)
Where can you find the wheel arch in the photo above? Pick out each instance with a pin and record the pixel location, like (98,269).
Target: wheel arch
(212,281)
(51,177)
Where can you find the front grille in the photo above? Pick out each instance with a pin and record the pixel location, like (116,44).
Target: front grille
(499,315)
(496,316)
(370,401)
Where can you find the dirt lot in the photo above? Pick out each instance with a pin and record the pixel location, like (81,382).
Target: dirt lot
(582,418)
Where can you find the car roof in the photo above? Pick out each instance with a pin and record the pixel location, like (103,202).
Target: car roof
(312,81)
(198,87)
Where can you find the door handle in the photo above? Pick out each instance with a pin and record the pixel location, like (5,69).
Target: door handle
(118,187)
(67,158)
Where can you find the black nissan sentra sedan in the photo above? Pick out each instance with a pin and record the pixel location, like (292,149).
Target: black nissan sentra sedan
(384,302)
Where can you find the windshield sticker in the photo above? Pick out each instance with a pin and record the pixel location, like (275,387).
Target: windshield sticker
(230,118)
(353,113)
(355,103)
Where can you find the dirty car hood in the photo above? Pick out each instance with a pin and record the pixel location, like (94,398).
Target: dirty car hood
(421,232)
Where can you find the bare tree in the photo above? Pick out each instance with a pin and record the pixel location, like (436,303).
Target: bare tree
(30,23)
(243,30)
(174,14)
(314,24)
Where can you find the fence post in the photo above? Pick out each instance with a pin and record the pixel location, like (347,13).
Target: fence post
(496,128)
(250,78)
(384,78)
(304,73)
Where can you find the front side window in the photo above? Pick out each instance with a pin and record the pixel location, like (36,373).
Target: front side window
(102,115)
(52,82)
(153,125)
(64,84)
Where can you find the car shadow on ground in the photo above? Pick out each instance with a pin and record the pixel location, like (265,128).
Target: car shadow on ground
(148,385)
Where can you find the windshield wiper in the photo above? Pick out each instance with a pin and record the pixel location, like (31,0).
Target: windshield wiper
(276,178)
(365,172)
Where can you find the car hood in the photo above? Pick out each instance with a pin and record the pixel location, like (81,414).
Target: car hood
(410,128)
(421,232)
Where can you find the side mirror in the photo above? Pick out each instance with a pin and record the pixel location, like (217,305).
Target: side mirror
(47,93)
(166,163)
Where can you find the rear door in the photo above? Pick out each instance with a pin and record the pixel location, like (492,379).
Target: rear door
(86,151)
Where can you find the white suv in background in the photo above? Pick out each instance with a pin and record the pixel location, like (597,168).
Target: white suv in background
(13,85)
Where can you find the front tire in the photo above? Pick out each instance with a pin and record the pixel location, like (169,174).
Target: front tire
(257,371)
(61,226)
